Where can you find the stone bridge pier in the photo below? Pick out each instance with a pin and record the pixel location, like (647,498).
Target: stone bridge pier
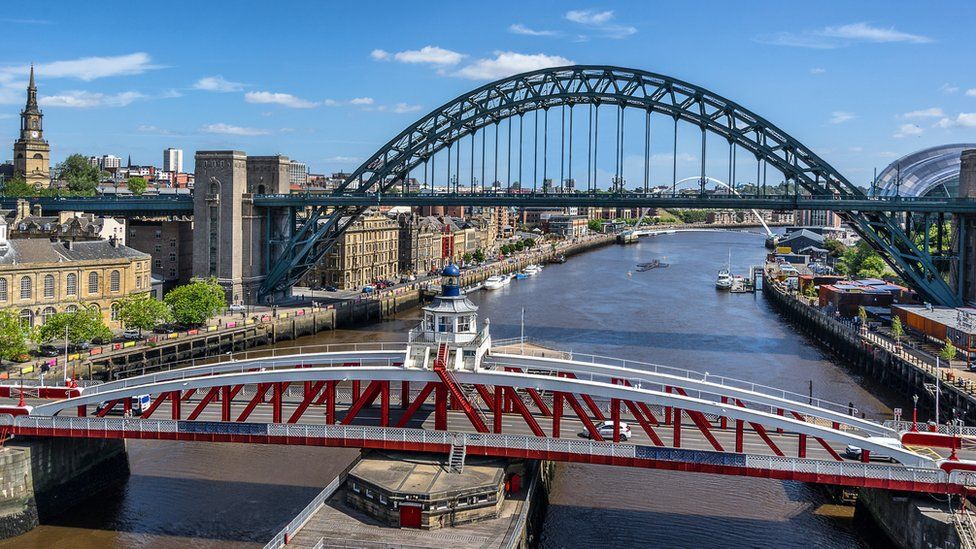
(963,272)
(232,238)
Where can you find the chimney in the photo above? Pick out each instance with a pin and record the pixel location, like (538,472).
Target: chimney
(37,210)
(68,245)
(23,209)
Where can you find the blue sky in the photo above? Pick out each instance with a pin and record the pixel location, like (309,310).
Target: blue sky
(328,83)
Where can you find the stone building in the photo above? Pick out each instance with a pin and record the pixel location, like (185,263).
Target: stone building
(366,252)
(27,222)
(569,226)
(40,277)
(32,153)
(170,244)
(419,246)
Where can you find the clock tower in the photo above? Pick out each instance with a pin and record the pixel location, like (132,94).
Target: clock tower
(32,154)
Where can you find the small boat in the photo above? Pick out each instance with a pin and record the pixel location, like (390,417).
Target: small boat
(496,282)
(532,270)
(653,264)
(561,258)
(724,279)
(521,276)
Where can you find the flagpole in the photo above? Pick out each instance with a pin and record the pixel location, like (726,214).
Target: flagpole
(522,334)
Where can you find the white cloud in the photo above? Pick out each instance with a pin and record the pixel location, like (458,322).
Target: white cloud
(284,99)
(228,129)
(361,101)
(519,28)
(432,55)
(401,108)
(506,63)
(589,17)
(971,92)
(866,33)
(85,99)
(962,120)
(149,128)
(817,70)
(379,55)
(948,88)
(600,22)
(331,103)
(840,36)
(217,84)
(908,130)
(888,154)
(932,112)
(89,68)
(839,117)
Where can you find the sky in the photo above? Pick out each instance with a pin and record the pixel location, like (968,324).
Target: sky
(328,83)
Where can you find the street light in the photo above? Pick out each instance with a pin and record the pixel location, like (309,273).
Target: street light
(914,413)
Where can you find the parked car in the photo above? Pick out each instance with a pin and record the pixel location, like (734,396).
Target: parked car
(49,350)
(605,428)
(131,334)
(330,289)
(854,452)
(368,289)
(236,308)
(81,346)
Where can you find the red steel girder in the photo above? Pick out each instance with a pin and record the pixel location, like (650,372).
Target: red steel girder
(590,427)
(108,408)
(761,431)
(260,391)
(597,412)
(175,401)
(365,399)
(486,397)
(636,412)
(536,397)
(521,409)
(310,394)
(640,405)
(416,404)
(702,423)
(160,398)
(207,399)
(833,453)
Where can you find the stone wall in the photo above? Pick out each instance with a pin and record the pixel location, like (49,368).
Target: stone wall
(908,521)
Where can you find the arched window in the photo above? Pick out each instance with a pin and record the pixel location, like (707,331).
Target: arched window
(49,286)
(46,314)
(3,289)
(71,309)
(93,282)
(27,318)
(115,281)
(26,288)
(71,287)
(115,312)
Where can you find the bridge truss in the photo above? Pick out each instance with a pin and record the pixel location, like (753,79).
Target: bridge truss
(517,406)
(482,111)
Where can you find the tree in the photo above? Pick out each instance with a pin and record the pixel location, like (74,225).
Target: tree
(529,243)
(519,246)
(896,329)
(142,312)
(13,336)
(81,177)
(872,267)
(467,257)
(81,326)
(196,302)
(137,185)
(479,255)
(17,186)
(862,314)
(834,247)
(948,352)
(595,225)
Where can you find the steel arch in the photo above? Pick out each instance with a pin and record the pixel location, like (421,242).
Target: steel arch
(601,85)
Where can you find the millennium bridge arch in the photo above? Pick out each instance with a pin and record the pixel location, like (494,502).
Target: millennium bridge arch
(592,87)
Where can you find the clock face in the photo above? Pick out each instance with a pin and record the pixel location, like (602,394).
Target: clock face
(34,134)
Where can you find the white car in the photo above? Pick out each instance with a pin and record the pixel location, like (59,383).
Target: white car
(605,428)
(131,334)
(236,308)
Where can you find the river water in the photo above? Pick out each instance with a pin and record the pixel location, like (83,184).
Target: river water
(218,496)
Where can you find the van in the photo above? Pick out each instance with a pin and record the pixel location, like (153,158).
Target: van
(140,403)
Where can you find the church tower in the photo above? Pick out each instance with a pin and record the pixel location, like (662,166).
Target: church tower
(32,154)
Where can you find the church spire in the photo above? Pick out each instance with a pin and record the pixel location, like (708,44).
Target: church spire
(31,92)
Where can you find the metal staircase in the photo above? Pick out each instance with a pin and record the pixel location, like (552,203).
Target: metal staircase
(440,367)
(965,526)
(458,451)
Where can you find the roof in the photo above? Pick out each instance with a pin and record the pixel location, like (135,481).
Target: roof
(42,250)
(803,233)
(932,170)
(814,249)
(451,305)
(962,319)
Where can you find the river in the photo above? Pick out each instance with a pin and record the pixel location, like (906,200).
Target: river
(218,496)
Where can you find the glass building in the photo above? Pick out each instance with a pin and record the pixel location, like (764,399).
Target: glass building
(928,172)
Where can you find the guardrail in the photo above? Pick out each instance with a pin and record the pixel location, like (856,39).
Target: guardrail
(292,528)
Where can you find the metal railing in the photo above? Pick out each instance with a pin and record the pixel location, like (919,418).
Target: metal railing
(292,528)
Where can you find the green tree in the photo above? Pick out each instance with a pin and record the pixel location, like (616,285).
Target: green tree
(834,247)
(196,302)
(862,313)
(529,243)
(872,267)
(467,257)
(479,255)
(595,225)
(81,326)
(948,352)
(896,329)
(17,186)
(137,185)
(142,312)
(80,176)
(13,336)
(519,246)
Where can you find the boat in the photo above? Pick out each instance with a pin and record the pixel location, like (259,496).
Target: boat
(724,279)
(521,276)
(496,282)
(532,270)
(561,258)
(653,264)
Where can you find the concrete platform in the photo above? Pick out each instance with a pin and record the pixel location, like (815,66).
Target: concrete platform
(404,473)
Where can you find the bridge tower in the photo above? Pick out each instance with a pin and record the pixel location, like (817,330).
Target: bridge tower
(448,333)
(230,235)
(963,274)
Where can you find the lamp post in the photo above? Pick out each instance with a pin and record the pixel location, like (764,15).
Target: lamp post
(914,413)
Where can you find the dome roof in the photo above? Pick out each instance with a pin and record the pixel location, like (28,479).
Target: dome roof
(451,270)
(934,170)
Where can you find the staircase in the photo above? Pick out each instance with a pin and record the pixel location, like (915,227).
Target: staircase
(962,520)
(458,450)
(440,367)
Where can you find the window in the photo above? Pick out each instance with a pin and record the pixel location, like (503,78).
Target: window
(429,322)
(26,288)
(46,314)
(71,309)
(93,282)
(464,324)
(158,248)
(115,281)
(27,318)
(158,263)
(138,282)
(445,324)
(49,286)
(71,288)
(115,312)
(3,289)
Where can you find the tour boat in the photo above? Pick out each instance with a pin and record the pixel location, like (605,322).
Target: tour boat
(495,282)
(532,270)
(724,280)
